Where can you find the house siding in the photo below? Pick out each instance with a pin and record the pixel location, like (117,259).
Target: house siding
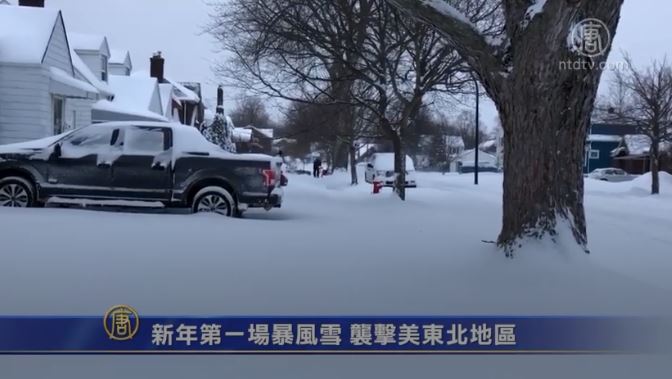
(25,103)
(78,113)
(117,69)
(58,53)
(605,159)
(155,104)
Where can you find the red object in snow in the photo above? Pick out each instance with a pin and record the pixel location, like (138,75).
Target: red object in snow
(377,186)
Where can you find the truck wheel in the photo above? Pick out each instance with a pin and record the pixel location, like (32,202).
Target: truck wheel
(16,192)
(213,200)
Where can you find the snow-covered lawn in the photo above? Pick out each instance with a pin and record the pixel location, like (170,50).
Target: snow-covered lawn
(339,250)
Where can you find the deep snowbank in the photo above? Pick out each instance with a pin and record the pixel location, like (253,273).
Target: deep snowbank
(337,249)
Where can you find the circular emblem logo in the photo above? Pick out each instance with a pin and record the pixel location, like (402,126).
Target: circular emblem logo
(590,38)
(121,323)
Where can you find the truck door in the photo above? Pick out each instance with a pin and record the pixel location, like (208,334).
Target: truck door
(143,171)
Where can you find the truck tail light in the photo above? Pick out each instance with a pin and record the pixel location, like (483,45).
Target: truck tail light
(269,177)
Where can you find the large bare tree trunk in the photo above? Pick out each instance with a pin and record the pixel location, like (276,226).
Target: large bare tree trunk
(544,153)
(545,108)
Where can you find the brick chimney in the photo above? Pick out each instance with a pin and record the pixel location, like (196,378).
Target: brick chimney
(32,3)
(156,66)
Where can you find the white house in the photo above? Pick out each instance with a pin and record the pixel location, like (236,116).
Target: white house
(120,62)
(136,98)
(454,148)
(467,161)
(94,52)
(89,58)
(38,82)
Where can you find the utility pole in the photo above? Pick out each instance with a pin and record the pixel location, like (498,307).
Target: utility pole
(478,96)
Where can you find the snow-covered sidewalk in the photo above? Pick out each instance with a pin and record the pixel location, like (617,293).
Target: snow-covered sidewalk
(337,250)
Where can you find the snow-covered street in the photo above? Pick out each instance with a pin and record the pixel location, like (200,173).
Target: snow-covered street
(335,250)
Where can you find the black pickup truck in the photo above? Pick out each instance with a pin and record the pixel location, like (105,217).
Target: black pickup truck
(139,161)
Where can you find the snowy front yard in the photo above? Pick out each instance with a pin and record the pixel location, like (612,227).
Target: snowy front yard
(338,250)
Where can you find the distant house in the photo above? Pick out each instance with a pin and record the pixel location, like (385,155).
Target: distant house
(633,155)
(137,98)
(454,148)
(188,106)
(602,140)
(489,146)
(261,141)
(120,62)
(89,55)
(467,161)
(39,85)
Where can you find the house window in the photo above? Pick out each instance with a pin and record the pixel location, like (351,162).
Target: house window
(594,154)
(103,68)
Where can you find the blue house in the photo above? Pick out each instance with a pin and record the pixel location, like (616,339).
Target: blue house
(602,140)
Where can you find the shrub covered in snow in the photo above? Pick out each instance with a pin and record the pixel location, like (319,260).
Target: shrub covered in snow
(220,133)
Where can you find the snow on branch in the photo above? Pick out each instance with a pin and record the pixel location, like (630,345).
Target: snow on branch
(534,9)
(443,7)
(479,51)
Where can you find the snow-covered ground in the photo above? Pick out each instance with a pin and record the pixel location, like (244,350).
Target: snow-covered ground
(339,250)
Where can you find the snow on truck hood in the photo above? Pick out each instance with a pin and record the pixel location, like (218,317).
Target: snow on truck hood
(31,145)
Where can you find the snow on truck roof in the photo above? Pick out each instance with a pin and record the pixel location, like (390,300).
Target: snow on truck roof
(188,139)
(18,25)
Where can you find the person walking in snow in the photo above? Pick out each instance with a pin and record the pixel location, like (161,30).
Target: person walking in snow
(317,167)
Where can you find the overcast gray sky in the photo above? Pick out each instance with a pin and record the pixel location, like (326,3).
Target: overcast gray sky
(174,27)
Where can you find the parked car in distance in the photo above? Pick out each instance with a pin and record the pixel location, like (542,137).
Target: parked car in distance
(139,161)
(611,175)
(380,168)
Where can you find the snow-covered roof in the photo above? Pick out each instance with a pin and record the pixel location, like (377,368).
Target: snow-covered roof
(604,138)
(166,92)
(454,141)
(133,93)
(89,42)
(25,33)
(488,145)
(119,56)
(242,135)
(266,132)
(63,77)
(89,76)
(114,107)
(484,159)
(637,144)
(183,93)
